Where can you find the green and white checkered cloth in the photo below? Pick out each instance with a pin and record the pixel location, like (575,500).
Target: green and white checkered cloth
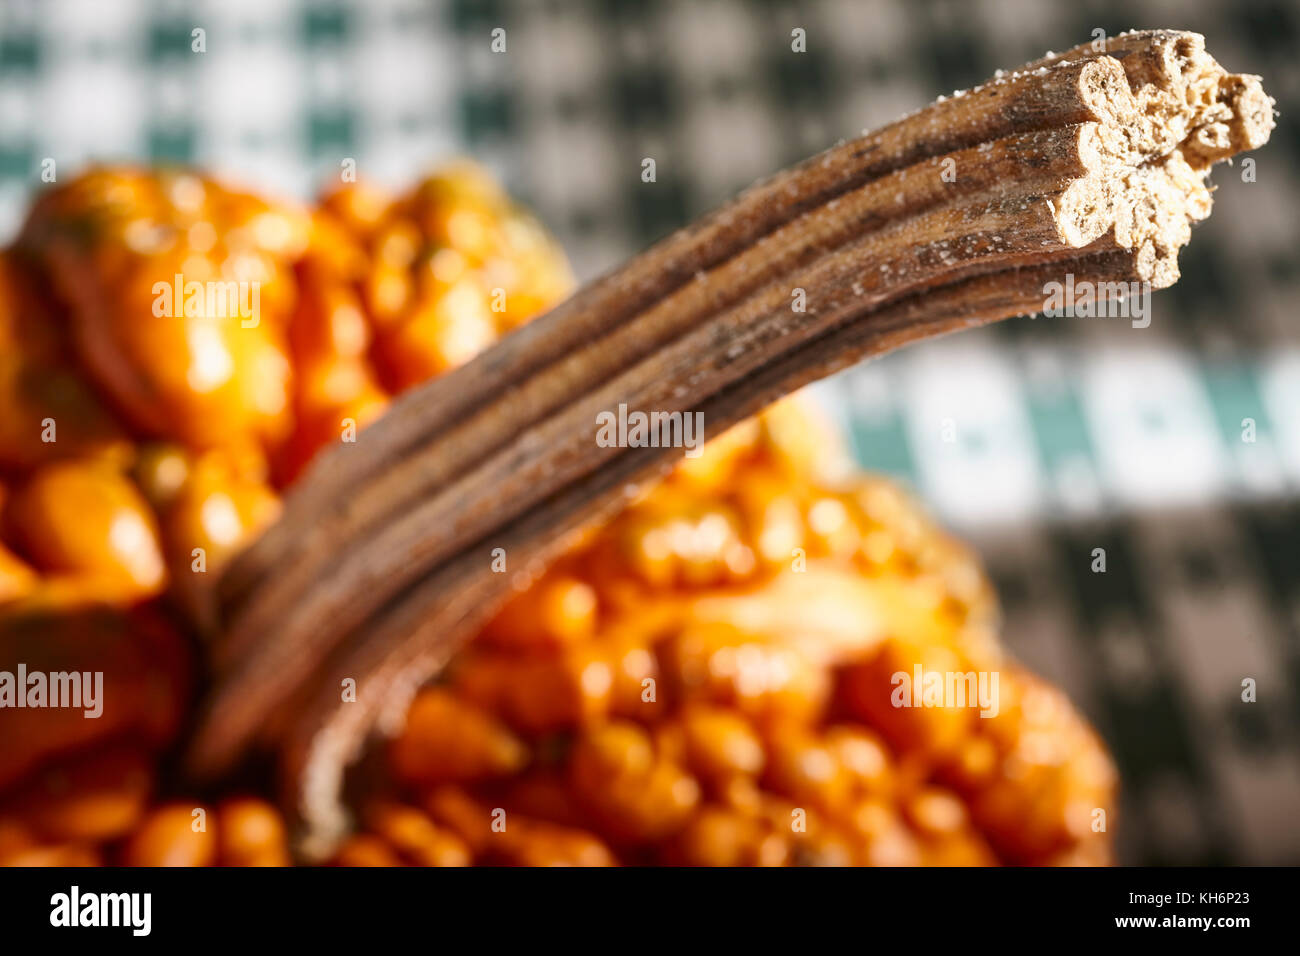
(1042,438)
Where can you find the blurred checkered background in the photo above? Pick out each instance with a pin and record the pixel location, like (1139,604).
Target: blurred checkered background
(1041,439)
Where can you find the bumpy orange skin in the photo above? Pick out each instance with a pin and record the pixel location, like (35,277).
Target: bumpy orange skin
(84,523)
(686,692)
(335,392)
(172,835)
(50,411)
(17,579)
(239,831)
(146,667)
(706,681)
(251,832)
(206,369)
(449,739)
(454,265)
(94,796)
(210,505)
